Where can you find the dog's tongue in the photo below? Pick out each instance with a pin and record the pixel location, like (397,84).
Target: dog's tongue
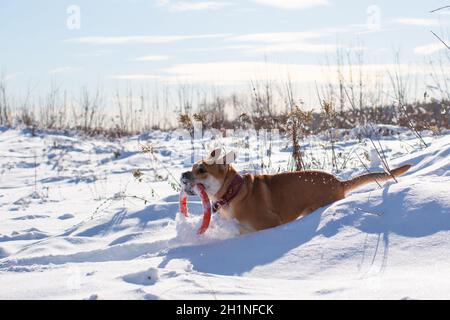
(200,190)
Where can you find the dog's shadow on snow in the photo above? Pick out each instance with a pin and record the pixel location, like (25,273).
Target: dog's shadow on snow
(398,216)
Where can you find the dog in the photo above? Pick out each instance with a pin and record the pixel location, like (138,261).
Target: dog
(260,202)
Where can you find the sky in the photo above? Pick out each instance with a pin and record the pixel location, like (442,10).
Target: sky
(113,43)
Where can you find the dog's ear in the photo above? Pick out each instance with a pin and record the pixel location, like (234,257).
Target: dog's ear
(230,157)
(215,154)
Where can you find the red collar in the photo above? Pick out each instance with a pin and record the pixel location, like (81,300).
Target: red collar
(229,195)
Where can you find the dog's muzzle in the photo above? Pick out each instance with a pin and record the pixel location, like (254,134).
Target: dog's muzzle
(186,181)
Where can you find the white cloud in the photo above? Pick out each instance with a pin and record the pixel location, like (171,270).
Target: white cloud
(276,37)
(96,53)
(61,70)
(256,43)
(430,48)
(418,22)
(193,6)
(279,37)
(289,41)
(142,39)
(241,72)
(293,4)
(308,48)
(151,58)
(138,77)
(11,76)
(221,48)
(294,47)
(278,48)
(162,3)
(198,6)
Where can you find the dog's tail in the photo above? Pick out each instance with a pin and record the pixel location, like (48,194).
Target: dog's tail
(373,177)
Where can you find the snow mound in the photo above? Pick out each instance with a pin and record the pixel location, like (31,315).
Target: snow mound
(219,229)
(146,278)
(83,236)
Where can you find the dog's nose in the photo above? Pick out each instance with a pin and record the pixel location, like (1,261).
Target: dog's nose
(186,177)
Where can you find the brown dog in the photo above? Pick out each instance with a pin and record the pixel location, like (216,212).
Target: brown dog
(265,201)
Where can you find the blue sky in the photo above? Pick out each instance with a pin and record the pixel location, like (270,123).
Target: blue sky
(215,42)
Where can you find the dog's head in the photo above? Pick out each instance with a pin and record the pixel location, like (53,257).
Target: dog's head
(210,172)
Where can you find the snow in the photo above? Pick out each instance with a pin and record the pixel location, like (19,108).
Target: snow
(73,226)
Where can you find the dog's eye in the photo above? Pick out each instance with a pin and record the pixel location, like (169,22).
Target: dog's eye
(201,170)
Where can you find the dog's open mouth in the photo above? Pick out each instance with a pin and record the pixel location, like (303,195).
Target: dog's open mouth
(187,184)
(189,188)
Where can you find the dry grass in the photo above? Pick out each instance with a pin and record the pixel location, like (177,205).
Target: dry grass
(348,101)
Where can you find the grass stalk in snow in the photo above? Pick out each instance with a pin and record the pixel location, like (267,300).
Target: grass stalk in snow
(149,149)
(381,154)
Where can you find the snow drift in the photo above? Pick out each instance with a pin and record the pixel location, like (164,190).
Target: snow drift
(391,242)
